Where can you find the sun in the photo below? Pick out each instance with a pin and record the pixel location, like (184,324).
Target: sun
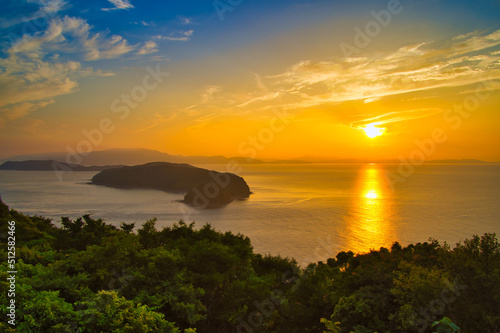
(372,131)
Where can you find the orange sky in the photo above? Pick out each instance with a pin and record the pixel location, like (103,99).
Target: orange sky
(307,90)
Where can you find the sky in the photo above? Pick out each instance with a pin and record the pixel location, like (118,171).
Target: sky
(323,80)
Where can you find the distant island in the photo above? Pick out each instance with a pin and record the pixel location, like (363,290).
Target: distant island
(463,161)
(51,165)
(137,156)
(204,188)
(119,157)
(125,156)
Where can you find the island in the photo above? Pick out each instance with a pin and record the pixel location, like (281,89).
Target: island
(204,188)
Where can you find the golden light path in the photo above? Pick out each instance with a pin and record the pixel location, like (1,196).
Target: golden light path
(372,211)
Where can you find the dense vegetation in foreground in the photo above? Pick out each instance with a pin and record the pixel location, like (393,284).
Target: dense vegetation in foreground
(87,276)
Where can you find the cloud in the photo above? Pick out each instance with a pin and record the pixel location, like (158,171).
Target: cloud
(119,4)
(33,72)
(28,85)
(71,35)
(207,95)
(371,100)
(464,60)
(144,23)
(206,117)
(22,109)
(47,10)
(158,120)
(148,48)
(397,116)
(258,82)
(182,36)
(32,126)
(185,20)
(19,98)
(268,97)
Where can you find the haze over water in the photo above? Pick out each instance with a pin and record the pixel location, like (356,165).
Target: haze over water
(309,212)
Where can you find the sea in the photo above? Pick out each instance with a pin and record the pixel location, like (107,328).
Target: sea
(308,212)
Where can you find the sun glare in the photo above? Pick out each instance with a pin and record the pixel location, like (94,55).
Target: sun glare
(372,131)
(371,194)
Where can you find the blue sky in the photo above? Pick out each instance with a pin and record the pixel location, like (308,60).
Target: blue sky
(62,62)
(199,22)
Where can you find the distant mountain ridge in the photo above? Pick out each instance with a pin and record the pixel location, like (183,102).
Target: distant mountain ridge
(463,161)
(51,165)
(130,157)
(125,156)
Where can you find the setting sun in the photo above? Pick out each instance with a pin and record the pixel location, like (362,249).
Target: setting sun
(372,131)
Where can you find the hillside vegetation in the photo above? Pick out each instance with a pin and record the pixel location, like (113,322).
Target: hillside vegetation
(88,276)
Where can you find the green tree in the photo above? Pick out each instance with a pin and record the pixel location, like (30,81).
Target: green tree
(107,312)
(45,311)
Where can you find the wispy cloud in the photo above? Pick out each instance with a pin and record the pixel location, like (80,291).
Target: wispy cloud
(32,126)
(33,73)
(158,120)
(20,110)
(206,117)
(464,60)
(267,97)
(181,36)
(144,23)
(148,48)
(209,92)
(119,4)
(71,35)
(48,9)
(185,20)
(28,82)
(397,116)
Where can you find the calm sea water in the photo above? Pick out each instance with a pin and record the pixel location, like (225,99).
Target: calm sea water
(309,212)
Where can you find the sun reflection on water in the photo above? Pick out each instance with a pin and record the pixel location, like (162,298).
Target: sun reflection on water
(369,225)
(371,194)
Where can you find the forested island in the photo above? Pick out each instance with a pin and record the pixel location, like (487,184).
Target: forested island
(85,275)
(204,188)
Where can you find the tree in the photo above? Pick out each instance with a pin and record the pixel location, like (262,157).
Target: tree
(45,311)
(107,312)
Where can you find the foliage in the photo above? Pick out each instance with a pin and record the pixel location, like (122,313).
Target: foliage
(332,327)
(88,276)
(107,312)
(445,325)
